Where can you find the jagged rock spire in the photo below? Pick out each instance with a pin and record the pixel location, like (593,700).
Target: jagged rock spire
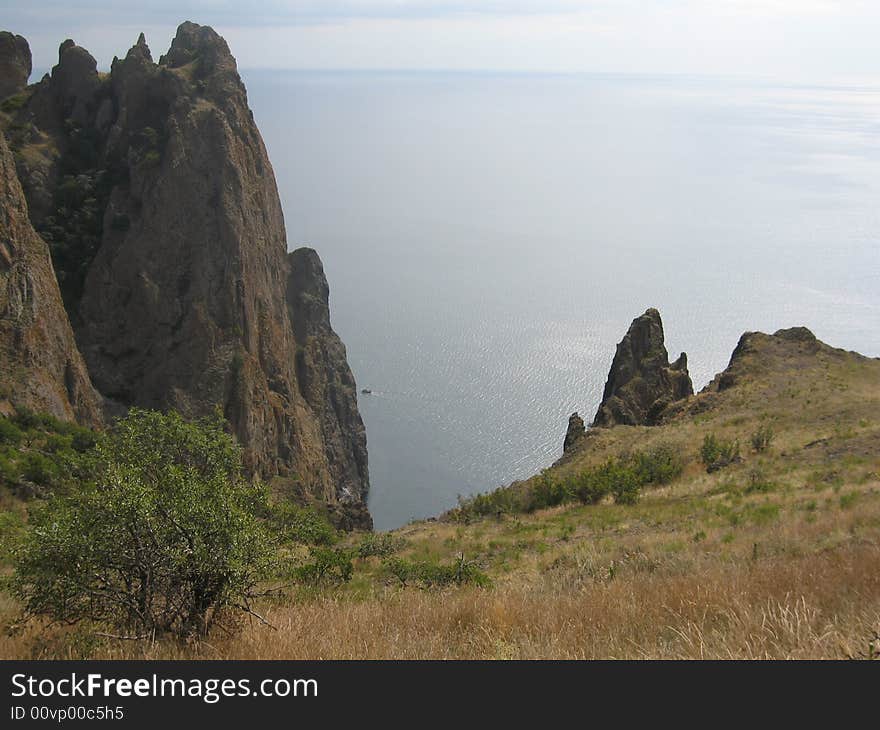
(642,382)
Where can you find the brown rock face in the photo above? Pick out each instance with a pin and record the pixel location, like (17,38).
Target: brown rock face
(15,63)
(576,431)
(40,367)
(642,383)
(188,299)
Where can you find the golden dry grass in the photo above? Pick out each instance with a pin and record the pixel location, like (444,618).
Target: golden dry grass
(702,568)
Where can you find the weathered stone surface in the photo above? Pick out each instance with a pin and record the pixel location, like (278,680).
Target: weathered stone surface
(15,63)
(190,300)
(40,367)
(575,432)
(324,378)
(642,383)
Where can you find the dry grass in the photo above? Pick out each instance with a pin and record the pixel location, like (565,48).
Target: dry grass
(702,568)
(823,606)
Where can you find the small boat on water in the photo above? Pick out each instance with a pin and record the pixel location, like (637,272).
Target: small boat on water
(366,391)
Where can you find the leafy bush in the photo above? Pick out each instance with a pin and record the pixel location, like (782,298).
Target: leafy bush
(9,432)
(14,103)
(660,465)
(717,453)
(546,492)
(83,439)
(762,438)
(500,501)
(27,419)
(380,544)
(38,469)
(590,486)
(427,574)
(302,524)
(163,538)
(331,566)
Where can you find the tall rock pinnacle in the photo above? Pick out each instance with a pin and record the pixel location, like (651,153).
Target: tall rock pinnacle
(642,382)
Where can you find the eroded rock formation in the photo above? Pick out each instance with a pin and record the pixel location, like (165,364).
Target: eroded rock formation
(576,431)
(642,383)
(40,366)
(15,63)
(174,266)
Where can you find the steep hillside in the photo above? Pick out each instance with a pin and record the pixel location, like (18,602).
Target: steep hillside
(773,554)
(153,188)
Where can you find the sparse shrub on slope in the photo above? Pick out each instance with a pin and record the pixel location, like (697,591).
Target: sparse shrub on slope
(379,544)
(762,438)
(427,574)
(717,453)
(328,566)
(305,525)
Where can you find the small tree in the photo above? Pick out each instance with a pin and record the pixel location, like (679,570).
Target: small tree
(163,537)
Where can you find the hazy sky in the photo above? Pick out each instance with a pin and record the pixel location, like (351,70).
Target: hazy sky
(797,39)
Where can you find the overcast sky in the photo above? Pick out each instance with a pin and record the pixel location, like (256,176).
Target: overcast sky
(793,39)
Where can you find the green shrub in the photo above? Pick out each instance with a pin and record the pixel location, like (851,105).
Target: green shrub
(500,501)
(163,537)
(37,468)
(83,440)
(14,103)
(426,574)
(302,524)
(379,544)
(762,438)
(27,419)
(717,453)
(590,487)
(546,492)
(329,566)
(660,465)
(9,432)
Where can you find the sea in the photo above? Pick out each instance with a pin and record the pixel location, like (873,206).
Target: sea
(489,237)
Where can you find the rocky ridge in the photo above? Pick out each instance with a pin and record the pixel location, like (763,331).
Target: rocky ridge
(154,191)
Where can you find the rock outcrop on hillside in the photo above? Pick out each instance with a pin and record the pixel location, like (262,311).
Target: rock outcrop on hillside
(757,352)
(40,366)
(576,431)
(174,266)
(15,63)
(642,383)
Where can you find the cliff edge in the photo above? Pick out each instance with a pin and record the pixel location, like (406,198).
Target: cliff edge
(153,188)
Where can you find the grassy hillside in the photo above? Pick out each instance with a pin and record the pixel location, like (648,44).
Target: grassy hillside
(776,554)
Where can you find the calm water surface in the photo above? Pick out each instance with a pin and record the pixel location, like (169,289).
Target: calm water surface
(489,237)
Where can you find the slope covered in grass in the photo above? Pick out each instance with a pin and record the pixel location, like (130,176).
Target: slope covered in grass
(776,554)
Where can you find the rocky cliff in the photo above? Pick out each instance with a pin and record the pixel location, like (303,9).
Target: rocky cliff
(15,64)
(154,190)
(642,382)
(40,366)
